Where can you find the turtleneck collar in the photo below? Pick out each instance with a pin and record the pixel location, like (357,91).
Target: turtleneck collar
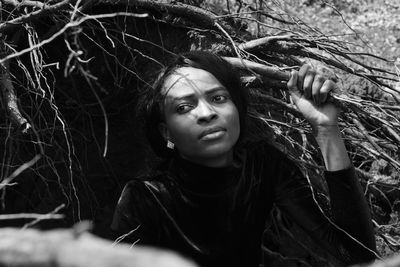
(206,180)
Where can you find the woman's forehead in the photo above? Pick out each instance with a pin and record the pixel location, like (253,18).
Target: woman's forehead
(186,80)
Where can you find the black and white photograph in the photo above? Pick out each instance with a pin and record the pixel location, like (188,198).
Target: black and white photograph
(199,133)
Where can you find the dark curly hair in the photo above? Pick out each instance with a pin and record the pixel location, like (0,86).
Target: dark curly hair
(151,103)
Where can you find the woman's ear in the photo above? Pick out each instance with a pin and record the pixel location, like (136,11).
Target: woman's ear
(162,127)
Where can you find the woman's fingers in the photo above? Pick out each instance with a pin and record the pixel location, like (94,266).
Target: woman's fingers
(309,91)
(301,76)
(316,89)
(326,88)
(310,84)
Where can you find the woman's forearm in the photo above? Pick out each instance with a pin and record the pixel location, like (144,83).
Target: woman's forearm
(332,147)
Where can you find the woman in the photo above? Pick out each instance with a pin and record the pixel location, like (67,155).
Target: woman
(211,199)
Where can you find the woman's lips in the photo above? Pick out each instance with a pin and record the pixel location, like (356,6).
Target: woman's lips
(212,133)
(212,136)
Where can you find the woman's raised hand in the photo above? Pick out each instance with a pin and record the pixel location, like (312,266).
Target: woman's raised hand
(310,92)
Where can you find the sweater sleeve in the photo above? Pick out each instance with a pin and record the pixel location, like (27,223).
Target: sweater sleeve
(348,235)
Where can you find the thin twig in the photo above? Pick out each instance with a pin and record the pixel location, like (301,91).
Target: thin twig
(235,48)
(19,170)
(52,213)
(30,216)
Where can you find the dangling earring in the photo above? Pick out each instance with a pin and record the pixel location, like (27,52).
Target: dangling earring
(170,145)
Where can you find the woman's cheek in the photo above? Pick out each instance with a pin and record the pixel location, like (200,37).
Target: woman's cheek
(181,130)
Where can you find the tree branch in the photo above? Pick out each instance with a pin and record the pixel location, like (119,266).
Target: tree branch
(24,3)
(10,98)
(198,15)
(261,69)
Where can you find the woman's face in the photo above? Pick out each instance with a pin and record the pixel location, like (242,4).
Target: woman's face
(200,117)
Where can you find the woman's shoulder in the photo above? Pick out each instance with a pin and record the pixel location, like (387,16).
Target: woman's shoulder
(146,189)
(140,202)
(155,179)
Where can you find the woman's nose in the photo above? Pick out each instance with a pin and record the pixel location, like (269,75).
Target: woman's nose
(205,112)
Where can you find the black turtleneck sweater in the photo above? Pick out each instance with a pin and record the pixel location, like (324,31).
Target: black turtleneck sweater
(216,216)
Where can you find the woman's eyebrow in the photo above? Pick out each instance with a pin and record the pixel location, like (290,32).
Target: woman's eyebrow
(184,97)
(215,89)
(192,95)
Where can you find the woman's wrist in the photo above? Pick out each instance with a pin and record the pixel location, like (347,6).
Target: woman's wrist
(325,130)
(332,147)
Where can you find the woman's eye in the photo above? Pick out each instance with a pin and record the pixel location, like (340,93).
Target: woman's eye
(183,108)
(219,98)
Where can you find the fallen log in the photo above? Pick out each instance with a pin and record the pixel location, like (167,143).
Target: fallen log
(69,247)
(391,262)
